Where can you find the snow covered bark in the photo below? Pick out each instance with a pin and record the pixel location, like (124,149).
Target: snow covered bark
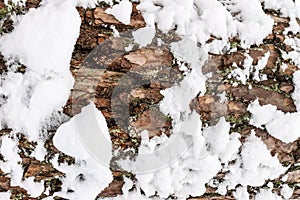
(231,84)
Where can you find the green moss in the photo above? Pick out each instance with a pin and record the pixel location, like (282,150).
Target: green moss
(240,120)
(3,13)
(208,195)
(277,183)
(235,44)
(54,184)
(294,168)
(63,158)
(6,13)
(161,115)
(102,4)
(18,196)
(274,88)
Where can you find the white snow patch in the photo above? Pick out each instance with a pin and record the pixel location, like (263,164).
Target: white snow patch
(192,164)
(12,166)
(283,126)
(244,74)
(288,8)
(180,164)
(293,42)
(5,195)
(270,185)
(134,195)
(91,3)
(201,19)
(176,99)
(144,36)
(43,41)
(253,166)
(266,194)
(293,27)
(261,115)
(286,191)
(217,137)
(255,25)
(121,11)
(293,55)
(296,94)
(127,186)
(39,151)
(222,97)
(241,193)
(88,177)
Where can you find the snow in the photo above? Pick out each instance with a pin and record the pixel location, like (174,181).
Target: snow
(261,65)
(176,99)
(190,169)
(286,191)
(293,27)
(288,8)
(256,160)
(286,127)
(5,195)
(202,19)
(232,148)
(244,74)
(217,136)
(144,36)
(253,166)
(182,164)
(293,55)
(39,151)
(266,194)
(255,24)
(270,185)
(209,148)
(96,173)
(162,163)
(127,186)
(261,115)
(121,11)
(135,195)
(241,193)
(12,166)
(283,126)
(222,96)
(43,40)
(91,3)
(296,94)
